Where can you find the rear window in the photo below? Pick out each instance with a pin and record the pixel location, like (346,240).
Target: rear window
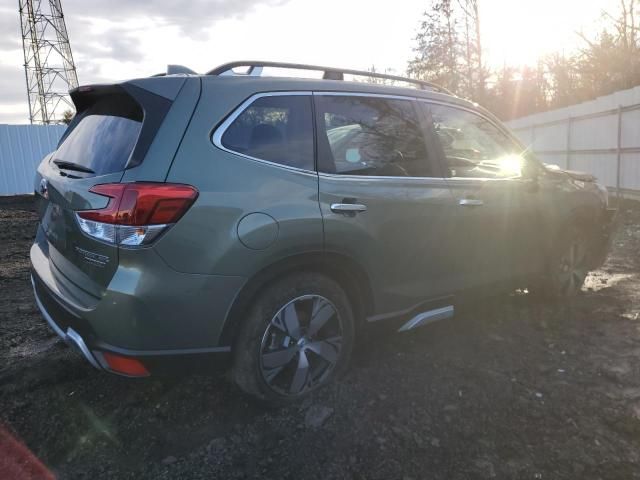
(105,135)
(275,128)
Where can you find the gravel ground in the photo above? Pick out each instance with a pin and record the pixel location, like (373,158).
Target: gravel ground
(512,387)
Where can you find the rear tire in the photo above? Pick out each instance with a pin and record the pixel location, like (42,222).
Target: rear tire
(296,337)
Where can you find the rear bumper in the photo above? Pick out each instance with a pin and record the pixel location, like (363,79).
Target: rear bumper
(144,306)
(70,336)
(68,327)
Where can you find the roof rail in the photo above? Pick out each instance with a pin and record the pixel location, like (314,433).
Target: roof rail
(330,73)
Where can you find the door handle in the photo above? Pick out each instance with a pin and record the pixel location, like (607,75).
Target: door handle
(470,202)
(348,208)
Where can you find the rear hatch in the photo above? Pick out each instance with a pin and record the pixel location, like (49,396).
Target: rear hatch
(112,131)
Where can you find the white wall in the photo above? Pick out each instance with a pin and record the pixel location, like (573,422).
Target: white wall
(21,149)
(600,137)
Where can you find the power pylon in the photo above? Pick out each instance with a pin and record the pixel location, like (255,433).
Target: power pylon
(48,62)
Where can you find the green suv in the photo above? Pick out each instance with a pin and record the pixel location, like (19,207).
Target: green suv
(270,219)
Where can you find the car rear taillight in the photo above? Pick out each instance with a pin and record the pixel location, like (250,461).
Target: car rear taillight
(137,213)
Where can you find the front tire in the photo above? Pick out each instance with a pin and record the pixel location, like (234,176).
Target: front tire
(297,336)
(569,265)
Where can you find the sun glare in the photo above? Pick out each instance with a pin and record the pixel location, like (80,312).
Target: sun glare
(518,32)
(510,164)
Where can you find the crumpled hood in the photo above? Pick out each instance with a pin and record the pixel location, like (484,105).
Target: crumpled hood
(576,175)
(582,176)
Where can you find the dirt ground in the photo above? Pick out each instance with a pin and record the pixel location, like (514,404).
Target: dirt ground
(512,387)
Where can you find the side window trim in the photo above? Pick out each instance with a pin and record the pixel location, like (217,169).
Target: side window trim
(414,105)
(219,131)
(431,140)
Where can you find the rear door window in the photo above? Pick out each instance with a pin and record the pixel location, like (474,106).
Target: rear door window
(104,136)
(276,128)
(370,136)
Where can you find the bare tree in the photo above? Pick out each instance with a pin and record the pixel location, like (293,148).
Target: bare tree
(449,52)
(476,73)
(378,80)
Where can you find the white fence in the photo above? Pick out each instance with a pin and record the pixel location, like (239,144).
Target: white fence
(601,137)
(21,149)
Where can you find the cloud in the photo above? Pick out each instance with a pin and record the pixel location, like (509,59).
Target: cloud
(13,88)
(14,113)
(117,42)
(190,16)
(109,38)
(112,29)
(10,28)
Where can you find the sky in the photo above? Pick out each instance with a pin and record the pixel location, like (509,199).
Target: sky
(117,39)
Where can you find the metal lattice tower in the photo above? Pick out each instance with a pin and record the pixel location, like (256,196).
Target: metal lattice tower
(48,63)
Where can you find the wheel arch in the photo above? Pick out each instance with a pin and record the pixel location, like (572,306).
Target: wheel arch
(348,273)
(583,217)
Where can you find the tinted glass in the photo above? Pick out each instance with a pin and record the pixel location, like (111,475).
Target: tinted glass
(370,136)
(473,146)
(278,129)
(104,136)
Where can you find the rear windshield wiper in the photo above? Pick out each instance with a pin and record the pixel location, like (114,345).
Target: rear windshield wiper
(72,166)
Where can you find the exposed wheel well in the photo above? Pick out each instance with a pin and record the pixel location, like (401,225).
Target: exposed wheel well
(345,271)
(582,218)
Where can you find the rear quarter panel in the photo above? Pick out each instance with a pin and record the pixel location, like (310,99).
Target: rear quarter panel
(231,187)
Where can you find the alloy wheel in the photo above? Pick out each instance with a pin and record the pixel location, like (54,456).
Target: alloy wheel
(573,267)
(301,345)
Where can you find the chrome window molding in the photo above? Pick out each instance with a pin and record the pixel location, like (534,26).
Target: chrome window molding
(216,137)
(465,182)
(219,131)
(423,100)
(363,94)
(375,178)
